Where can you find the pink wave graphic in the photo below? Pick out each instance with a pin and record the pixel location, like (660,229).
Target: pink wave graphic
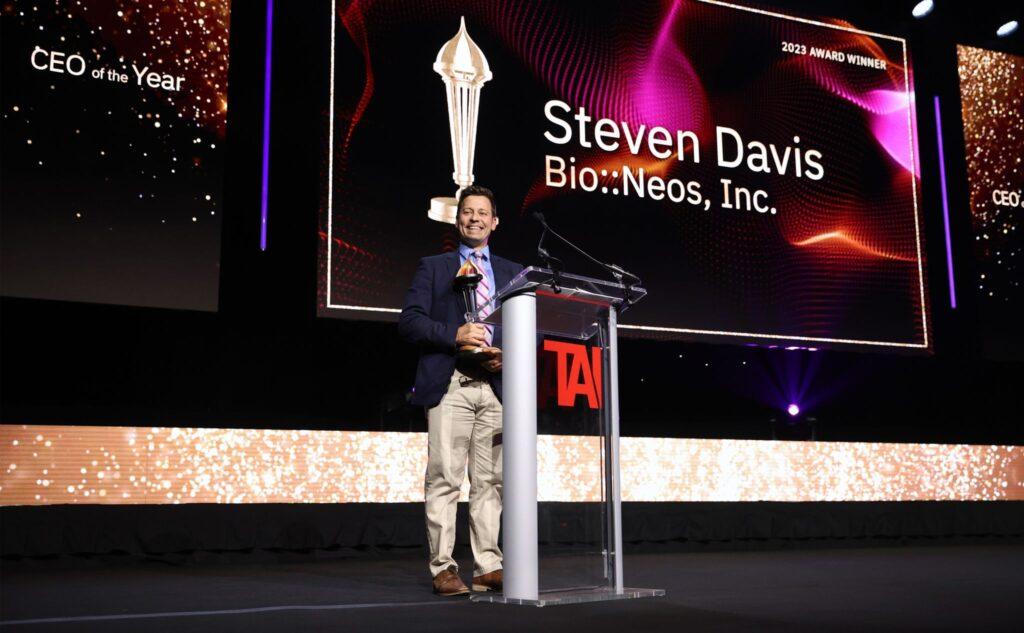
(832,239)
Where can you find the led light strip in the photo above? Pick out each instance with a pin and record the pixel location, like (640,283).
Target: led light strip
(267,65)
(330,163)
(804,20)
(784,337)
(945,204)
(41,465)
(912,107)
(366,309)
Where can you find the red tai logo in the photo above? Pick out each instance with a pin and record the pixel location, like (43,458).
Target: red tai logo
(577,373)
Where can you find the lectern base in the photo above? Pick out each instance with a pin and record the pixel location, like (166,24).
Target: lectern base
(572,596)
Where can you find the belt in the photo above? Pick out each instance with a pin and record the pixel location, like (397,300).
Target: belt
(471,373)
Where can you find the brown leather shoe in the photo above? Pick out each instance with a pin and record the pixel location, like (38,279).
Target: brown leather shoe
(447,583)
(488,582)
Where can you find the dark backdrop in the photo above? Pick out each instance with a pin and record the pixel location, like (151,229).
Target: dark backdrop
(266,360)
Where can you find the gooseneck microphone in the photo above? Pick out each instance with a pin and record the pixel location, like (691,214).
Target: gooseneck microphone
(620,274)
(553,263)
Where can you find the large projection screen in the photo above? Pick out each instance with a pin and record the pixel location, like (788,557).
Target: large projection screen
(759,171)
(113,139)
(992,101)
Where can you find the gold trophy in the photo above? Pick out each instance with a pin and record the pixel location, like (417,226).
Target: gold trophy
(464,69)
(466,280)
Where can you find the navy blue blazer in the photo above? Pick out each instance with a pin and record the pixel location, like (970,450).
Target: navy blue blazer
(431,316)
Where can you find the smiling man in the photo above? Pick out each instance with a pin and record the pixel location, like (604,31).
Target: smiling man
(462,397)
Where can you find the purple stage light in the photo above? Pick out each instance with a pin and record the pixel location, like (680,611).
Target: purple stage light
(266,124)
(945,205)
(793,410)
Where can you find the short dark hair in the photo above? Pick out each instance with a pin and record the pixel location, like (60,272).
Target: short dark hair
(477,190)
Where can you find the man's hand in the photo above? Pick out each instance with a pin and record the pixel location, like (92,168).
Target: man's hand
(493,363)
(471,334)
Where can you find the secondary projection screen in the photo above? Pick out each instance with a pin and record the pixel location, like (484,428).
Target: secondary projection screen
(113,126)
(757,170)
(992,98)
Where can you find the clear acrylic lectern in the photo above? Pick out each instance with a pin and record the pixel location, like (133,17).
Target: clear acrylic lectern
(537,302)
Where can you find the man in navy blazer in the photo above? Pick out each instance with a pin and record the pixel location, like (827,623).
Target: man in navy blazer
(462,398)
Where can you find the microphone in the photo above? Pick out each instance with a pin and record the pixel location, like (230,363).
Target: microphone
(620,274)
(552,262)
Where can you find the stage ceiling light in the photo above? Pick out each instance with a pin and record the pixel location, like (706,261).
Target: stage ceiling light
(793,410)
(1007,29)
(923,8)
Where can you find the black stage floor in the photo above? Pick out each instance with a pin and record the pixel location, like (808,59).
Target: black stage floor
(893,588)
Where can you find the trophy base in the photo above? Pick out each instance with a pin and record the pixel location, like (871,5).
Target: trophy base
(471,353)
(443,210)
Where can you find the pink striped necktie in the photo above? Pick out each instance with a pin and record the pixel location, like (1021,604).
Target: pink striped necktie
(484,292)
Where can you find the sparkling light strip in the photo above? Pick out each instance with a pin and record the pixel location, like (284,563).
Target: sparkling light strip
(133,465)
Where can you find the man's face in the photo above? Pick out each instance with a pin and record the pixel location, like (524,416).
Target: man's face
(476,220)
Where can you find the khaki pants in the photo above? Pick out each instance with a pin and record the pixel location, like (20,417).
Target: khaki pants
(465,427)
